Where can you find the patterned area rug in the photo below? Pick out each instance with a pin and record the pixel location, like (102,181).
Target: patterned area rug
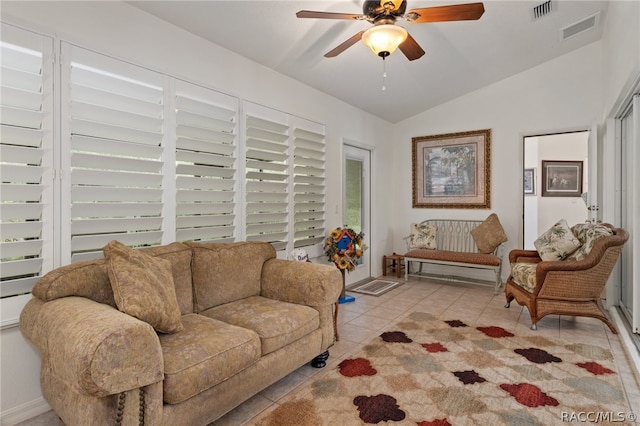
(430,371)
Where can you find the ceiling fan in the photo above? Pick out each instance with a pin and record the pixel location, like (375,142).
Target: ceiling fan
(385,37)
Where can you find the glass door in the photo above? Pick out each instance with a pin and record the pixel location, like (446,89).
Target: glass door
(629,283)
(356,204)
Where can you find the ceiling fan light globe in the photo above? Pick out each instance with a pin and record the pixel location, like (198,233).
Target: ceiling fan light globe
(384,39)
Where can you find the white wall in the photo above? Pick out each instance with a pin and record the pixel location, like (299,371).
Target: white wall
(621,58)
(126,33)
(559,95)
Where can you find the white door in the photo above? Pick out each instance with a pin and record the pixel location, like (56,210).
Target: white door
(356,204)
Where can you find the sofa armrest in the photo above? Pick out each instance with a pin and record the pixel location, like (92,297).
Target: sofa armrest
(304,283)
(93,347)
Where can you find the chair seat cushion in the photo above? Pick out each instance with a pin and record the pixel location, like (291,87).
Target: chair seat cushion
(277,323)
(524,275)
(204,353)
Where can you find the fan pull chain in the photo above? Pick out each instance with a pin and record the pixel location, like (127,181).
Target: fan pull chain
(384,74)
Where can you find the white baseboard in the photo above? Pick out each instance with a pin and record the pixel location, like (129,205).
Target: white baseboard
(24,412)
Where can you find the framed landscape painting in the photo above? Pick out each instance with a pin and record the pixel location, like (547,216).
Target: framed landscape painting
(452,170)
(561,178)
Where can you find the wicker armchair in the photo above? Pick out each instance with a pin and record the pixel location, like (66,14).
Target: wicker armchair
(567,287)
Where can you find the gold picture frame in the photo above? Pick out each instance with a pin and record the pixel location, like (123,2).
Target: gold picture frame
(452,170)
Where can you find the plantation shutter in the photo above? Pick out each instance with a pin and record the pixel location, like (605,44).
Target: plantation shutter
(308,183)
(26,159)
(116,147)
(267,176)
(206,152)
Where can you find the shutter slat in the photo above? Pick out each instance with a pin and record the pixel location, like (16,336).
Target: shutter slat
(97,193)
(101,226)
(21,173)
(191,182)
(20,268)
(219,234)
(25,248)
(20,230)
(185,209)
(185,169)
(204,158)
(219,146)
(115,101)
(204,221)
(197,196)
(101,209)
(19,98)
(109,131)
(21,211)
(103,162)
(21,136)
(20,193)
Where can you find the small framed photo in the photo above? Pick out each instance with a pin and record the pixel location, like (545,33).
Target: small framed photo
(530,181)
(561,178)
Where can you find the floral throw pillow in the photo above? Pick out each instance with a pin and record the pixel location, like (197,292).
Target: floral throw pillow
(588,234)
(423,236)
(557,243)
(143,287)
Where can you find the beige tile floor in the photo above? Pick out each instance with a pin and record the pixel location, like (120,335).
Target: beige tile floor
(368,316)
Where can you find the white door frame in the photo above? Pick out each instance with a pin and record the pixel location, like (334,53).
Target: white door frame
(351,150)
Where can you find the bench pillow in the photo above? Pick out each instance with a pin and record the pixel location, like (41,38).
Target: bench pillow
(489,234)
(423,236)
(557,242)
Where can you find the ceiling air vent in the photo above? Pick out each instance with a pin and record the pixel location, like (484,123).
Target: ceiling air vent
(579,27)
(541,10)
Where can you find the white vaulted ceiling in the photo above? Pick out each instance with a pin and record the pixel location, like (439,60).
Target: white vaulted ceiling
(460,56)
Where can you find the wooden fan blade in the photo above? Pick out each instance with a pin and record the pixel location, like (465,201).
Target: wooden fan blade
(328,15)
(411,48)
(344,46)
(456,12)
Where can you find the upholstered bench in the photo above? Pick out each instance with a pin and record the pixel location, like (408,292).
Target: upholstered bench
(472,244)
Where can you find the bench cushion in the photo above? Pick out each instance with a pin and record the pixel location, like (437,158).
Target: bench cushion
(277,323)
(454,256)
(204,353)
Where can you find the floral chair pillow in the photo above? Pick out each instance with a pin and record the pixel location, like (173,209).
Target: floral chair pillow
(423,237)
(557,243)
(588,234)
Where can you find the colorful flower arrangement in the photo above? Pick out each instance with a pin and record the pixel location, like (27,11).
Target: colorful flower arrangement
(343,247)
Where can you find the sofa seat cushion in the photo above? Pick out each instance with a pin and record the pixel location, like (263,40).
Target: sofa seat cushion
(204,353)
(454,256)
(524,275)
(277,323)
